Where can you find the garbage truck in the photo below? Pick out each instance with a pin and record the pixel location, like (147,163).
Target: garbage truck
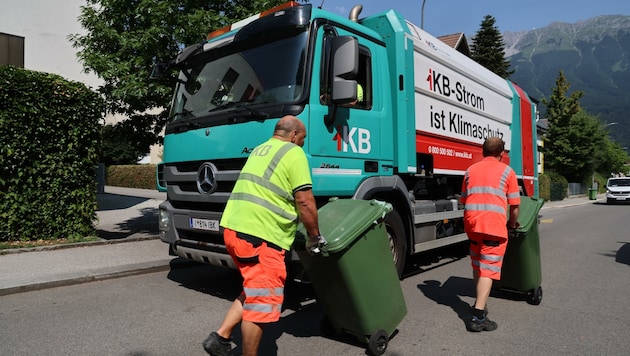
(423,112)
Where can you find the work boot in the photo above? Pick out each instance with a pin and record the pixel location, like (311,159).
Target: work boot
(485,310)
(475,324)
(217,346)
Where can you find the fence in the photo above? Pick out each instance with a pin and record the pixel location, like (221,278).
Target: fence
(576,189)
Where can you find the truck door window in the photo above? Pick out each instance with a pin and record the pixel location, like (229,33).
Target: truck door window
(364,79)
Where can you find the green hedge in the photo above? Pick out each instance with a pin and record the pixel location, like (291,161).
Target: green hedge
(49,129)
(132,176)
(558,186)
(552,186)
(544,187)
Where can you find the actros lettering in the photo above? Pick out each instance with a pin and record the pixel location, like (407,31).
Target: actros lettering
(441,84)
(356,139)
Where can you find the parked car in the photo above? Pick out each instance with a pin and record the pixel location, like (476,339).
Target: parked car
(618,190)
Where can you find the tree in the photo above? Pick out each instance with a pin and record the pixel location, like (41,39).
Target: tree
(488,48)
(558,147)
(611,157)
(576,143)
(126,37)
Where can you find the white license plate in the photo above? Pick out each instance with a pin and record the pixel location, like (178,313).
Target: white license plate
(204,224)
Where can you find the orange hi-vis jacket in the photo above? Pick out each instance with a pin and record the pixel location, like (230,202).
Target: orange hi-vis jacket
(489,187)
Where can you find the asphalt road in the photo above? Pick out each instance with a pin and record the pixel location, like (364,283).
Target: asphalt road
(585,309)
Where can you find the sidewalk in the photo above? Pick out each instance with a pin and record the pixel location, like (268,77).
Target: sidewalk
(129,245)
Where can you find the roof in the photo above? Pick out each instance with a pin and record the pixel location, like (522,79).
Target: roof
(457,41)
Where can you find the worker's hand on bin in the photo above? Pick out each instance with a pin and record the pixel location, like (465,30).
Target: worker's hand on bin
(513,226)
(314,244)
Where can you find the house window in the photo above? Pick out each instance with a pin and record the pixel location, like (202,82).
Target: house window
(11,50)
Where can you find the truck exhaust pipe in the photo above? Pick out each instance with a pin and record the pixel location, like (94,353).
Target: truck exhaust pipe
(354,13)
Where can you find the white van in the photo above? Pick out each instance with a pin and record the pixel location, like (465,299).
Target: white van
(618,190)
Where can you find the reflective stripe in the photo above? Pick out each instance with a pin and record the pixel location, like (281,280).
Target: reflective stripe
(486,266)
(262,202)
(485,207)
(491,258)
(504,177)
(487,190)
(262,308)
(276,159)
(263,182)
(263,292)
(513,195)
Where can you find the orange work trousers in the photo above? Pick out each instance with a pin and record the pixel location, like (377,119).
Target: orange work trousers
(264,274)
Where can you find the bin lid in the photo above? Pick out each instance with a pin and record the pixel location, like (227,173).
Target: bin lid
(341,221)
(528,213)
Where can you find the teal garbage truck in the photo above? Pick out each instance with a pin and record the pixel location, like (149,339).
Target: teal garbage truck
(425,111)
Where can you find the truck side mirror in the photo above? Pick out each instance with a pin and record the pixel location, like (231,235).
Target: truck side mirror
(345,66)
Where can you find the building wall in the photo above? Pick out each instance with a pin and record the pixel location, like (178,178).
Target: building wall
(45,26)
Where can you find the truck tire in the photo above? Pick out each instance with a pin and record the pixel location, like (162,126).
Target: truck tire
(397,240)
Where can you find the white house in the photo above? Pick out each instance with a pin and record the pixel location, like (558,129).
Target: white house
(34,35)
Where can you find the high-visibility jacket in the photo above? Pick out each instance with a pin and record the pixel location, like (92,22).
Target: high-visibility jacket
(488,187)
(262,202)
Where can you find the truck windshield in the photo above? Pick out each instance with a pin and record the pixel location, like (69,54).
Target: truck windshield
(241,74)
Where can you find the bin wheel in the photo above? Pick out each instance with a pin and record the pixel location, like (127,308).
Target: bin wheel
(378,342)
(534,296)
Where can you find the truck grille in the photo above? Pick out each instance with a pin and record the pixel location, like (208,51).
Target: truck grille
(181,182)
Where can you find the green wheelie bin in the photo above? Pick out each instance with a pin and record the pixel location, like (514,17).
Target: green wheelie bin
(521,270)
(354,276)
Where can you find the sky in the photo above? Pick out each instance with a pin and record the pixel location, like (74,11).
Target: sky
(444,17)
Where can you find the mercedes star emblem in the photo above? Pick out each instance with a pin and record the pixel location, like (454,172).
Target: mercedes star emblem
(206,178)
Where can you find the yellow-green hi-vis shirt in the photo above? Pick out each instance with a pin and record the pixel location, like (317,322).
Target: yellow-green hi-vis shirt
(262,202)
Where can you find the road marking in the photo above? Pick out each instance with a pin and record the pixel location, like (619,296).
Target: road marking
(546,221)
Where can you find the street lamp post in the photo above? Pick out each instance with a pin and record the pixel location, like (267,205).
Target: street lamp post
(422,15)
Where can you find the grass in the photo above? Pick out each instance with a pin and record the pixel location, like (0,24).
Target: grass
(8,245)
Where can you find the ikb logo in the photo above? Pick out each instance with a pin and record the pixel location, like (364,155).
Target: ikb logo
(353,139)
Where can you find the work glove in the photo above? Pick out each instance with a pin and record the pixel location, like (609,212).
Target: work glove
(314,244)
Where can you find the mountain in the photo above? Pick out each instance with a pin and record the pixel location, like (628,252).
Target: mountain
(593,54)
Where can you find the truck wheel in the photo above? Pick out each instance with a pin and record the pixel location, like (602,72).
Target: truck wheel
(397,240)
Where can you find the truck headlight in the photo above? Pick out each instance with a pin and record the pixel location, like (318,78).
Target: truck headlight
(164,220)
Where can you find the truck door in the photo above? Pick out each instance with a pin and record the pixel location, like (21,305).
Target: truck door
(345,142)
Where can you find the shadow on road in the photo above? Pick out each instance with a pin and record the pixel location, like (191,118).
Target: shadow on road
(449,294)
(426,261)
(107,201)
(302,315)
(216,281)
(146,224)
(141,221)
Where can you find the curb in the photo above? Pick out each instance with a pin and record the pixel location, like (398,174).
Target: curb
(75,244)
(104,274)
